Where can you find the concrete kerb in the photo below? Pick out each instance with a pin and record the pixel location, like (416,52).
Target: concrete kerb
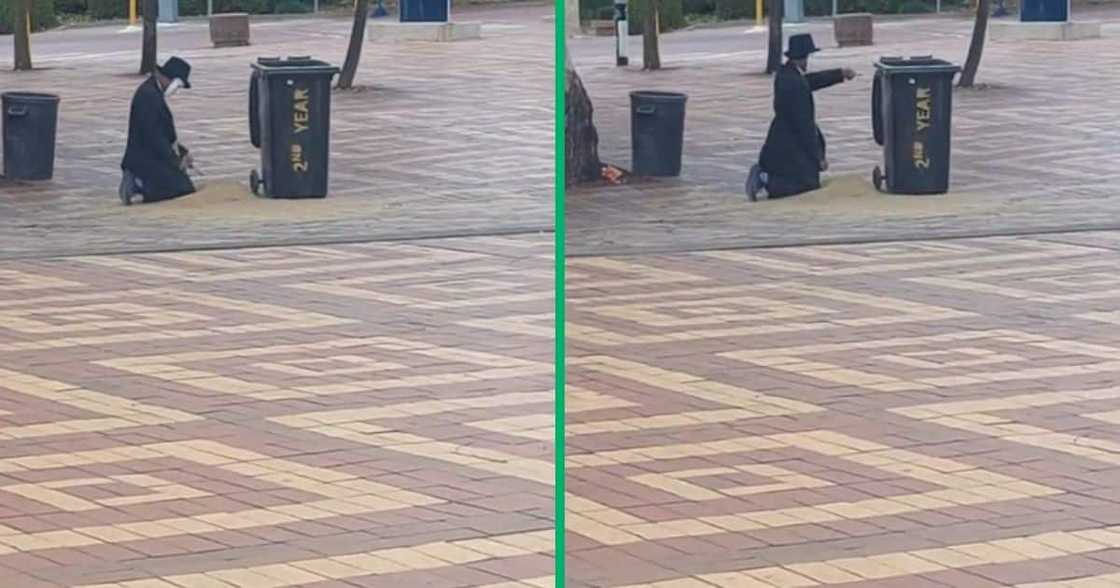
(915,236)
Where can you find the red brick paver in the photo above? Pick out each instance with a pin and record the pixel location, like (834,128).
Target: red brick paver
(302,416)
(441,139)
(1035,150)
(918,414)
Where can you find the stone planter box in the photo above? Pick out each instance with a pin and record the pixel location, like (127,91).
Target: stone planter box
(230,29)
(433,32)
(853,30)
(1043,31)
(602,28)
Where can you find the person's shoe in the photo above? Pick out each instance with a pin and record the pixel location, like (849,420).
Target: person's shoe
(754,183)
(127,188)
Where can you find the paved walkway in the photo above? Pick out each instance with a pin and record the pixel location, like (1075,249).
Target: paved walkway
(302,416)
(1038,150)
(918,415)
(444,139)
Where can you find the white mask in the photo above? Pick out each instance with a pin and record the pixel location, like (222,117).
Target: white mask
(172,88)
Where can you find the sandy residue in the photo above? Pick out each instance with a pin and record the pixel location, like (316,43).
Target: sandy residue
(233,201)
(856,196)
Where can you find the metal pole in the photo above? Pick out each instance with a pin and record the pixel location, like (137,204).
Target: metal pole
(836,7)
(621,34)
(757,13)
(315,8)
(132,12)
(209,7)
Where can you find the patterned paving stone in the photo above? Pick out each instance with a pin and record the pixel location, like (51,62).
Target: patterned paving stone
(730,426)
(255,418)
(1034,151)
(441,140)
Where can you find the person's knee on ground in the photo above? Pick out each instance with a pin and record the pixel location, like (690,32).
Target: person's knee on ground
(130,187)
(757,180)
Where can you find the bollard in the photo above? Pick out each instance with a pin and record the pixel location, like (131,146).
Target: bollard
(621,33)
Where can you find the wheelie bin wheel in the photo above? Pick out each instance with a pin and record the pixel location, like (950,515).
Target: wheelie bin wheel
(255,182)
(876,178)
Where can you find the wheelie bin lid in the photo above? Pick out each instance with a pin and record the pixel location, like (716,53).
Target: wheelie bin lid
(301,64)
(658,96)
(28,97)
(919,64)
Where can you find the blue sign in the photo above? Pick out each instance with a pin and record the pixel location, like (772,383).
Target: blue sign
(425,10)
(1044,10)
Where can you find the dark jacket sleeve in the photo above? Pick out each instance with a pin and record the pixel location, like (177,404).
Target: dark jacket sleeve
(794,104)
(820,80)
(158,134)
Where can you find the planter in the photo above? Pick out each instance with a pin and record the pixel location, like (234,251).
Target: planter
(853,30)
(230,29)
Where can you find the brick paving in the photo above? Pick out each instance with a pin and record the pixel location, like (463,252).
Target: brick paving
(443,140)
(908,414)
(1038,150)
(301,416)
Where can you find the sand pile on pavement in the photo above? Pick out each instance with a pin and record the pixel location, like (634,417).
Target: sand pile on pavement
(856,196)
(233,201)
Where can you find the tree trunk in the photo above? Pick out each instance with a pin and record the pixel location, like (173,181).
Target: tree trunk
(148,52)
(651,37)
(976,47)
(22,35)
(357,39)
(774,49)
(581,140)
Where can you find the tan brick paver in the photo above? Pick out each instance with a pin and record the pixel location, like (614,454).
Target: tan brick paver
(227,418)
(849,415)
(1034,150)
(441,139)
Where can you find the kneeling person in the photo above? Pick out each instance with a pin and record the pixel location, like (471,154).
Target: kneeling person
(793,156)
(155,164)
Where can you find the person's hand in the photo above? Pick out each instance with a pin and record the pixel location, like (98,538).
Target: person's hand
(824,165)
(849,73)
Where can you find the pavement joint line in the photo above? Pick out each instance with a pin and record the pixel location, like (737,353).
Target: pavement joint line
(964,236)
(512,232)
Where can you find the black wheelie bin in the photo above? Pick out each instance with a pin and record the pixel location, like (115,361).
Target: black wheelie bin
(911,114)
(656,132)
(290,122)
(30,129)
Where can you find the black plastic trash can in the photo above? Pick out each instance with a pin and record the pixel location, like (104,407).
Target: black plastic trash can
(30,128)
(425,10)
(289,120)
(911,114)
(656,132)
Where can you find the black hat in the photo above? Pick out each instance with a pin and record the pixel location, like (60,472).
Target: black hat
(176,68)
(800,46)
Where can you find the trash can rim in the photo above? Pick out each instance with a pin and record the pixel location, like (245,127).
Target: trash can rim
(30,96)
(276,64)
(659,95)
(915,64)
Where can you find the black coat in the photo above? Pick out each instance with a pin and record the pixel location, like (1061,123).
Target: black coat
(794,146)
(150,154)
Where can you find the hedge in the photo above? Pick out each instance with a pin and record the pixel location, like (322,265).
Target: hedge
(117,9)
(198,7)
(672,13)
(824,7)
(43,17)
(102,9)
(734,9)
